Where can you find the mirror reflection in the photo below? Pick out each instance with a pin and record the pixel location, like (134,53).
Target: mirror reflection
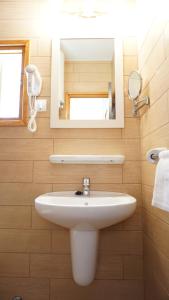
(88,85)
(134,85)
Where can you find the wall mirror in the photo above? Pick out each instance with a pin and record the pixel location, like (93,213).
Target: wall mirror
(14,56)
(87,83)
(134,91)
(134,85)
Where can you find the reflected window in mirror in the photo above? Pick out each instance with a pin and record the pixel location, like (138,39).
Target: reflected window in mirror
(14,56)
(86,107)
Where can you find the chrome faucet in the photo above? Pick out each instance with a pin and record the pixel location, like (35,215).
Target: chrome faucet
(86,186)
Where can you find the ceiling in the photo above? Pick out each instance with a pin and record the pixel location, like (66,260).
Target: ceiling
(105,6)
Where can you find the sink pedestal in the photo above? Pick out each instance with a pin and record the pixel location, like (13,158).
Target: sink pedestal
(84,246)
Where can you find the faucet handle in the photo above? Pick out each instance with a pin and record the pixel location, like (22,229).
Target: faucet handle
(86,181)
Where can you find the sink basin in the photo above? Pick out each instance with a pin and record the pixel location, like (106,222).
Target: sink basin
(84,216)
(99,210)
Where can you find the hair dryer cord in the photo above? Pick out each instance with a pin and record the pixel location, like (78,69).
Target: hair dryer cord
(32,126)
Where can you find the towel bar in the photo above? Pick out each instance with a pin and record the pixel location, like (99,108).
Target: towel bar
(153,154)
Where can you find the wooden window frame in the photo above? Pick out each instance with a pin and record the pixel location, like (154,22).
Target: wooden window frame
(24,45)
(68,96)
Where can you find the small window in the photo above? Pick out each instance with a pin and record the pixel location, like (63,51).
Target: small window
(14,56)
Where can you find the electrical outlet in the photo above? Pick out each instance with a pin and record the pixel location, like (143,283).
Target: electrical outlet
(41,105)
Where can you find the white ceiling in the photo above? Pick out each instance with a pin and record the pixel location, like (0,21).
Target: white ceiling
(88,49)
(102,5)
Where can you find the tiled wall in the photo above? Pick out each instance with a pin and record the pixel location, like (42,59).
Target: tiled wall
(35,254)
(154,66)
(88,76)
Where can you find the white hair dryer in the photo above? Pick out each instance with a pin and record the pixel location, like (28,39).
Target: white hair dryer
(34,81)
(34,85)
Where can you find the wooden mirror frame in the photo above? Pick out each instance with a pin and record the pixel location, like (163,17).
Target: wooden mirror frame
(23,111)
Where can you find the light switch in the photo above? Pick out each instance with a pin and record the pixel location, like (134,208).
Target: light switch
(41,105)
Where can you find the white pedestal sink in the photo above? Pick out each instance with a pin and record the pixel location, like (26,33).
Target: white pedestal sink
(84,216)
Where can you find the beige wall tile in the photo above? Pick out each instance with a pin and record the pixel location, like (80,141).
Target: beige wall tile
(14,265)
(151,39)
(15,217)
(109,267)
(130,64)
(44,46)
(20,29)
(153,62)
(157,261)
(50,266)
(86,87)
(51,173)
(90,67)
(130,46)
(121,242)
(24,10)
(21,193)
(159,83)
(158,231)
(60,241)
(69,67)
(148,173)
(127,108)
(166,40)
(95,77)
(43,64)
(17,132)
(71,77)
(157,116)
(133,267)
(155,290)
(131,129)
(25,149)
(29,288)
(100,289)
(131,172)
(129,148)
(125,84)
(45,87)
(8,171)
(15,240)
(44,131)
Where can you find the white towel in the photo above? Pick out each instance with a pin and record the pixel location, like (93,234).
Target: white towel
(161,185)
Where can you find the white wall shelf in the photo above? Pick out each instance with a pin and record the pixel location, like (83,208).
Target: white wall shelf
(87,159)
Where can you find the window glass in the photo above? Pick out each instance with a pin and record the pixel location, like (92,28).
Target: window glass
(13,97)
